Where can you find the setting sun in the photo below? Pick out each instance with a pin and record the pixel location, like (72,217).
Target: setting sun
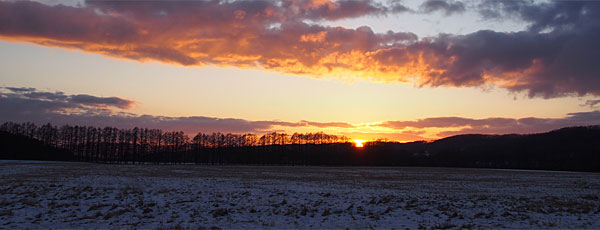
(359,143)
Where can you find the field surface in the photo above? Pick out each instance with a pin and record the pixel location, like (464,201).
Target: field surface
(75,195)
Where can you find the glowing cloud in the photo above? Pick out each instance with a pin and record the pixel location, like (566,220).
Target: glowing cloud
(550,59)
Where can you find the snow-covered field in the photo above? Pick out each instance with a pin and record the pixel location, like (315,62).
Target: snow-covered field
(82,195)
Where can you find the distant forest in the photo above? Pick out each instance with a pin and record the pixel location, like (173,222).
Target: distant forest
(573,149)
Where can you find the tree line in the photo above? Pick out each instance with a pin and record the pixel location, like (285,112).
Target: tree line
(572,148)
(136,145)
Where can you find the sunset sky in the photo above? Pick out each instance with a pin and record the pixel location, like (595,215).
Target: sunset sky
(401,70)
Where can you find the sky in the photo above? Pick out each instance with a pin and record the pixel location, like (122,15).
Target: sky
(401,70)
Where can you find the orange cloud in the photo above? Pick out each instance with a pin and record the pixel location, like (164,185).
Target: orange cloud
(274,36)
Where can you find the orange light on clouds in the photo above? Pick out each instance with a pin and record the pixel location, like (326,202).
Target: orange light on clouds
(359,143)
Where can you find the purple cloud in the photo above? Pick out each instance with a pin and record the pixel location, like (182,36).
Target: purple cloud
(448,7)
(497,125)
(58,108)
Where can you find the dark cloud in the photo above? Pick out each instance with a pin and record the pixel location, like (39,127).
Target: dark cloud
(498,125)
(20,90)
(397,7)
(553,15)
(46,95)
(59,102)
(101,101)
(14,108)
(552,58)
(591,103)
(547,65)
(82,109)
(332,10)
(446,6)
(225,11)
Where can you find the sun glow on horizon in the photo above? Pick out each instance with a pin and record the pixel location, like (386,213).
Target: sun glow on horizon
(359,143)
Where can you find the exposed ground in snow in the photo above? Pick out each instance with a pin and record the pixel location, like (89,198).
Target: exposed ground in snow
(75,195)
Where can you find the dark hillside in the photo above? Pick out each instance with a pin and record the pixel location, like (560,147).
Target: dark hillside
(573,148)
(19,147)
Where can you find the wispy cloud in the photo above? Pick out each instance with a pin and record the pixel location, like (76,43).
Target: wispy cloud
(496,125)
(550,59)
(591,103)
(29,104)
(58,101)
(328,124)
(448,7)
